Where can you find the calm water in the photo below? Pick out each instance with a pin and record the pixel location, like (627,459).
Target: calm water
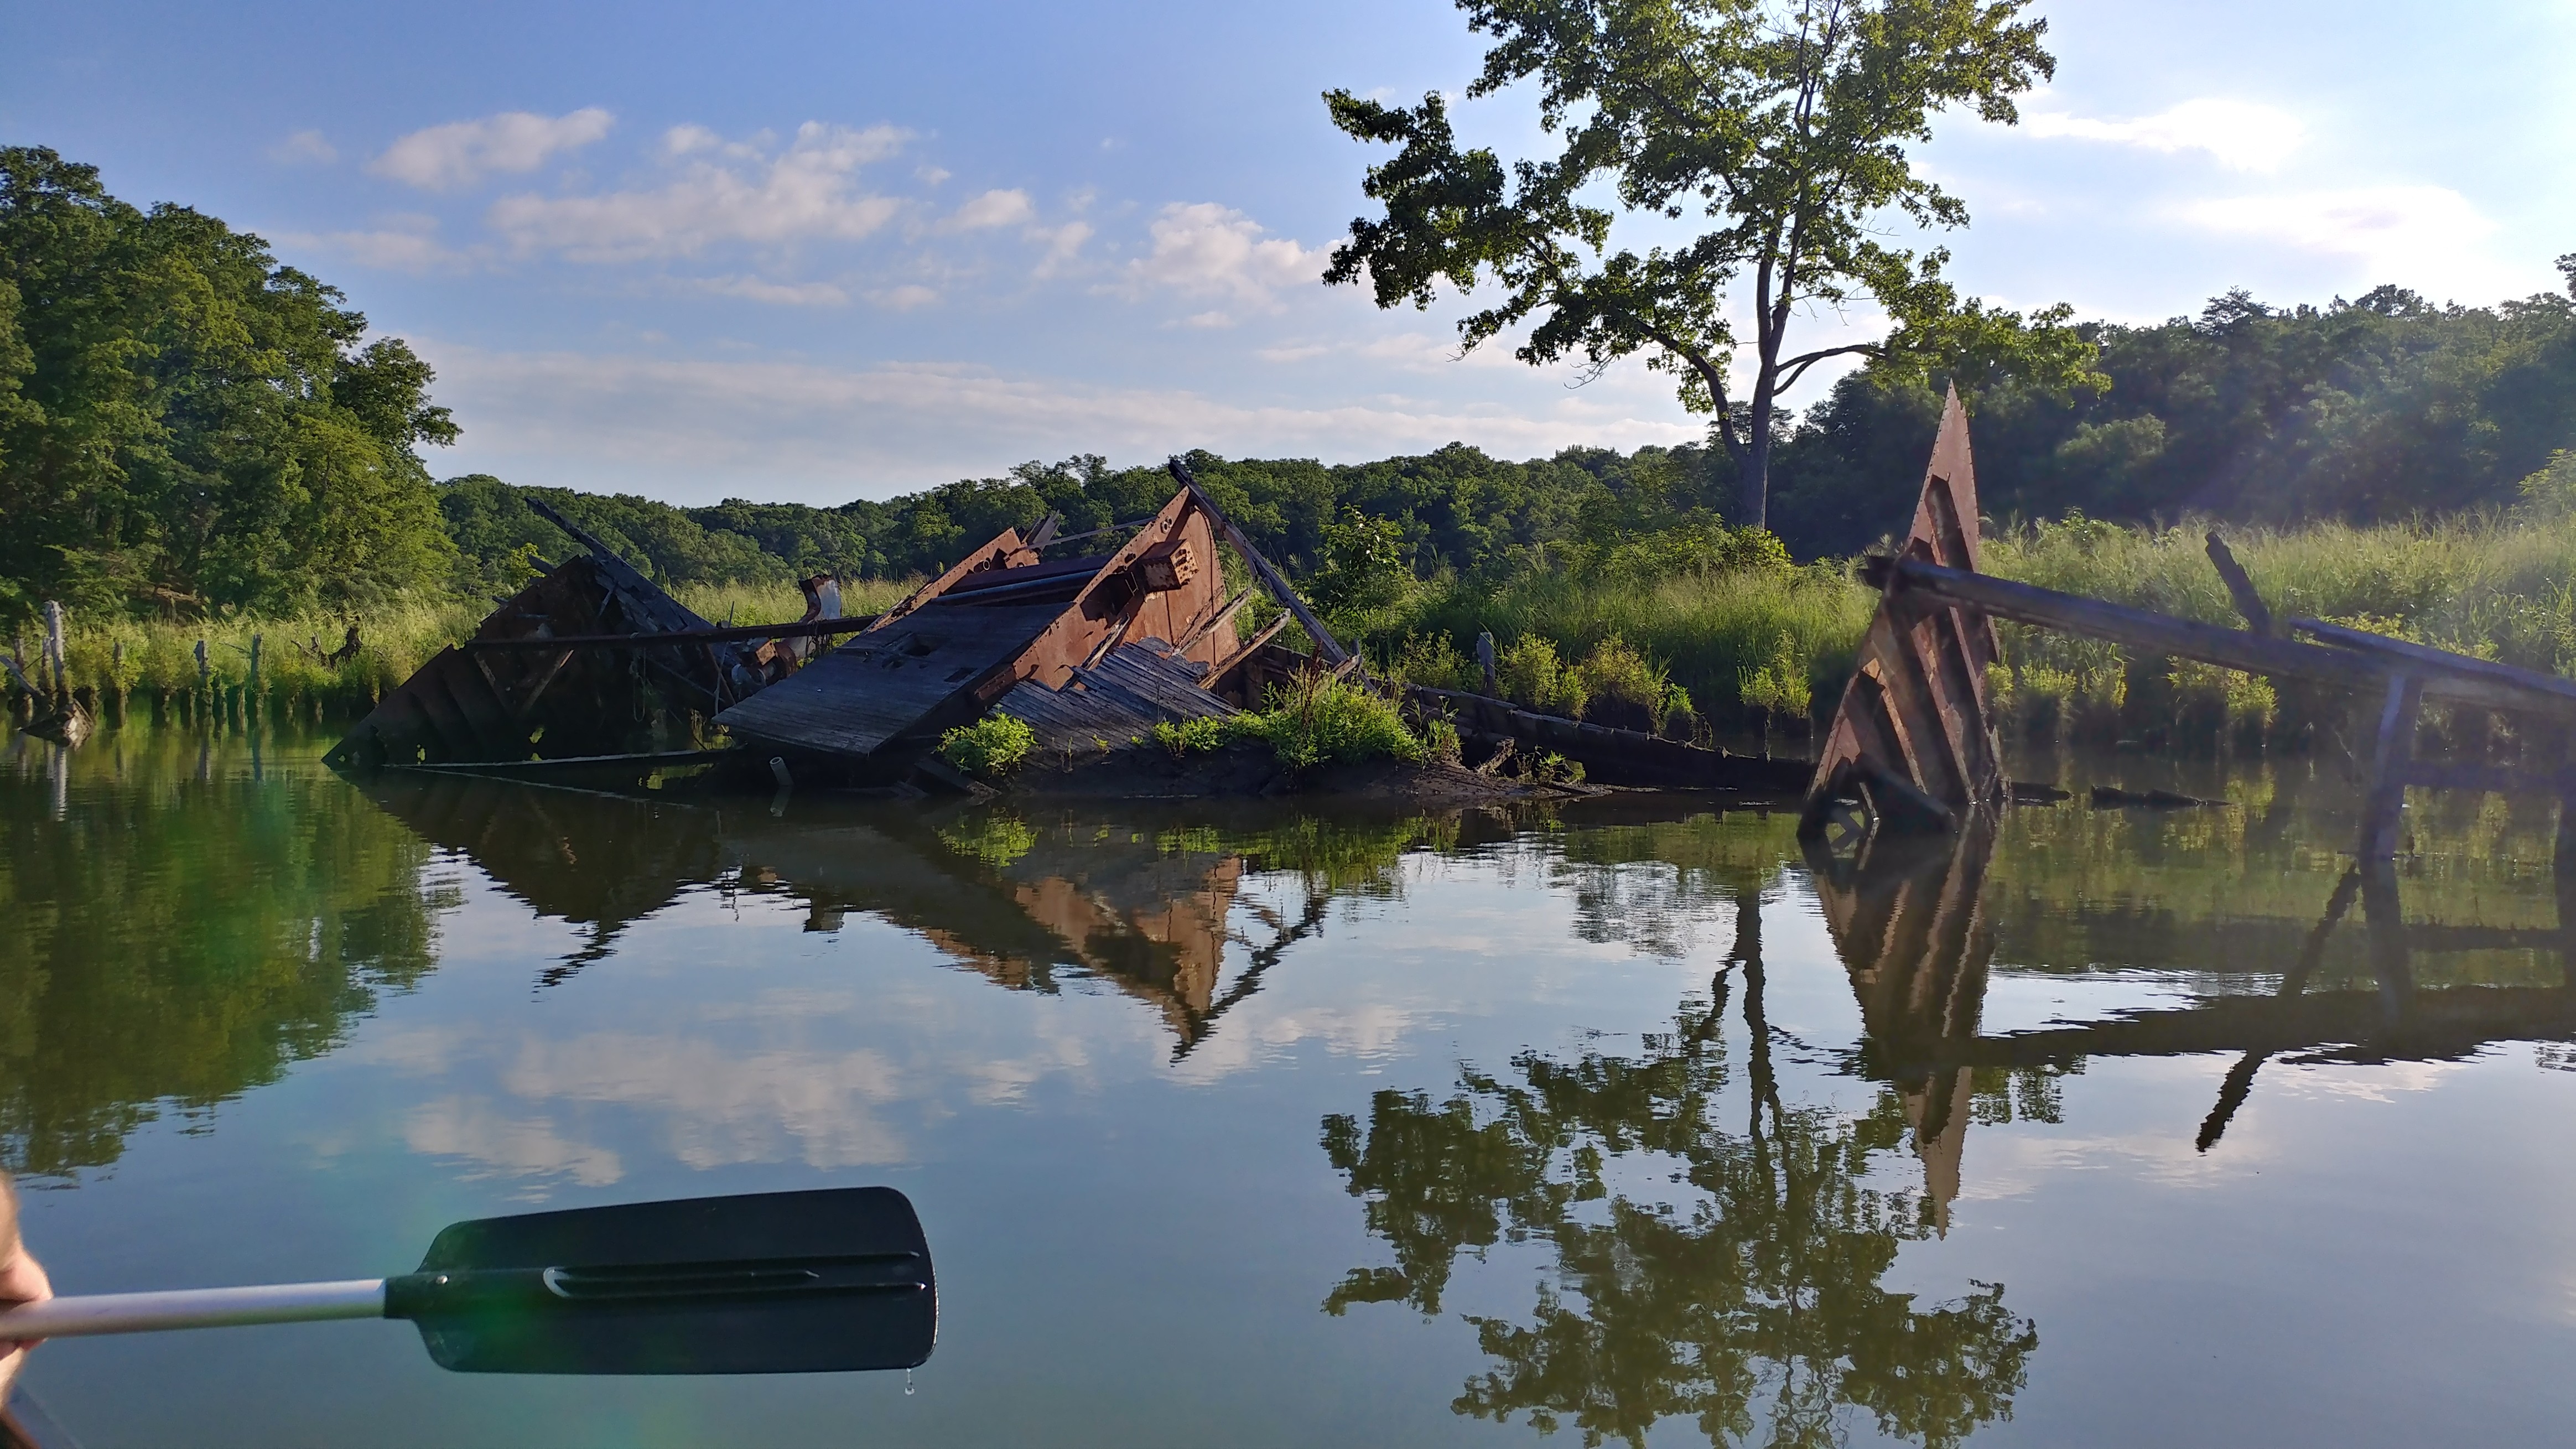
(1272,1127)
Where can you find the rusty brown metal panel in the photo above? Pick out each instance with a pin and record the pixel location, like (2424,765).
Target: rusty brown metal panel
(1005,551)
(1111,603)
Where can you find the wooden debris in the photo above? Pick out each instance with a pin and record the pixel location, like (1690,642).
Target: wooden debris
(1914,735)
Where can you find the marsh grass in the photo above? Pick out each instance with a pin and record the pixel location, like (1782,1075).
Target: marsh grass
(2496,586)
(1737,648)
(1660,647)
(153,664)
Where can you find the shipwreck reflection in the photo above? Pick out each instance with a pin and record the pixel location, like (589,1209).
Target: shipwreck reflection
(1154,907)
(1911,929)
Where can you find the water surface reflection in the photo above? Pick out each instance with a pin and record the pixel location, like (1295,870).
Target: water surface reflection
(1632,1114)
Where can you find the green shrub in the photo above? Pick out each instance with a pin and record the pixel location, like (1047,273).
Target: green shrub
(1556,769)
(1531,675)
(990,748)
(1194,736)
(1316,719)
(1623,687)
(1440,743)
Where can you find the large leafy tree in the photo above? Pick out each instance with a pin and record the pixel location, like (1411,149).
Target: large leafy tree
(185,423)
(1781,127)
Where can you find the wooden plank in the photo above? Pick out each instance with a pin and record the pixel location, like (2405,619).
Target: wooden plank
(2390,757)
(1214,622)
(793,629)
(1247,648)
(1271,578)
(2258,615)
(2153,633)
(1004,551)
(907,680)
(2443,660)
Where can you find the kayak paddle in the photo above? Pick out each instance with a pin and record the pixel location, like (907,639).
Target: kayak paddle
(822,1281)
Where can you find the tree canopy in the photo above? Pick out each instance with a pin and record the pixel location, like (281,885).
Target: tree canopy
(2371,409)
(1782,125)
(186,423)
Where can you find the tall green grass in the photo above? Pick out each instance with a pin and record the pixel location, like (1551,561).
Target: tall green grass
(1709,634)
(153,664)
(1732,646)
(2495,586)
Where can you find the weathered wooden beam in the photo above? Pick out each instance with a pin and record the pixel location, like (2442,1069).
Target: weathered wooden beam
(796,629)
(2140,629)
(1213,622)
(1246,650)
(1271,578)
(2453,677)
(2504,675)
(2258,615)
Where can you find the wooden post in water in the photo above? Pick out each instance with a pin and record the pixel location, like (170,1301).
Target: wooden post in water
(54,651)
(2390,758)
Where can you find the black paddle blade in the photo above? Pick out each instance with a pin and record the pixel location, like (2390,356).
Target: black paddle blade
(783,1282)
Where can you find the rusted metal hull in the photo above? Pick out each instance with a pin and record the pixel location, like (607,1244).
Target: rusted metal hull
(1001,619)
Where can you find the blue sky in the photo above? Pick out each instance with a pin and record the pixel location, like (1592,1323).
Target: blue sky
(822,252)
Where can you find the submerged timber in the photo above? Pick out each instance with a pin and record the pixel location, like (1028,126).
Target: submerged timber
(592,665)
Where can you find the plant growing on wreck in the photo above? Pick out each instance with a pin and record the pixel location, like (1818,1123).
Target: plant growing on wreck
(1183,738)
(990,748)
(1316,719)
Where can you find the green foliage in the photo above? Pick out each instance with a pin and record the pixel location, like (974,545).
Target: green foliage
(1366,568)
(2375,409)
(186,425)
(1532,676)
(1782,130)
(1624,689)
(1440,743)
(990,748)
(1316,719)
(1183,738)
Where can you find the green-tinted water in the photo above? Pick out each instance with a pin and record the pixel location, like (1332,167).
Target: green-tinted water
(1270,1126)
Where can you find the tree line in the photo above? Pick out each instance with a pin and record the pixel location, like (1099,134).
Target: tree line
(188,427)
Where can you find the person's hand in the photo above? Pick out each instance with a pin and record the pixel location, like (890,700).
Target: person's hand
(22,1280)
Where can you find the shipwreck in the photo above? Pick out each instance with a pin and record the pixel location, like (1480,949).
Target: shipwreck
(594,666)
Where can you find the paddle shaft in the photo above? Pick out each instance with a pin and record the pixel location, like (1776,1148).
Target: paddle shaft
(427,1294)
(195,1308)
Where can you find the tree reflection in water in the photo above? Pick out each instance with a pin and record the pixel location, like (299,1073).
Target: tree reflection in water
(1755,1309)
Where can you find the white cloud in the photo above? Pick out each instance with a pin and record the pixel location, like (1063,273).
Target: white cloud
(706,428)
(729,192)
(401,243)
(304,148)
(1062,243)
(782,294)
(1202,249)
(2420,234)
(992,209)
(2240,135)
(461,153)
(905,297)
